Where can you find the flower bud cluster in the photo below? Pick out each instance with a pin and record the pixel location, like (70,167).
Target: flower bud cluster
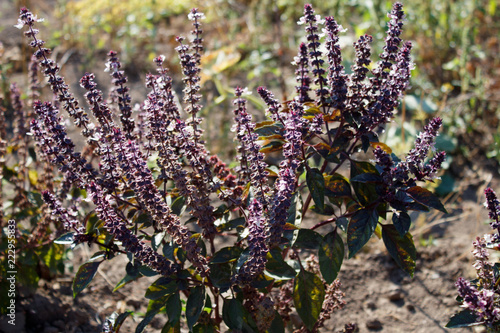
(311,22)
(480,296)
(336,75)
(414,168)
(121,92)
(257,243)
(115,226)
(51,70)
(69,222)
(252,166)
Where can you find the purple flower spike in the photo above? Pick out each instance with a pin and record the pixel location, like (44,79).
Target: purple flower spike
(257,239)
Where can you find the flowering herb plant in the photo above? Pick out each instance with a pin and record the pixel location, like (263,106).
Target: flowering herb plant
(231,245)
(479,297)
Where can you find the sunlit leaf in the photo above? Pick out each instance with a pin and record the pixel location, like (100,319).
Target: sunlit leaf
(401,248)
(402,222)
(382,145)
(161,287)
(269,146)
(277,268)
(316,185)
(360,229)
(331,256)
(365,192)
(426,198)
(85,274)
(308,296)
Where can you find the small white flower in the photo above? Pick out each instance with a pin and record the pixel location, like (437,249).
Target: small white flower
(192,16)
(20,24)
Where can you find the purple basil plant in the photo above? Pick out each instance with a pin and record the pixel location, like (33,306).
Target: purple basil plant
(235,243)
(480,297)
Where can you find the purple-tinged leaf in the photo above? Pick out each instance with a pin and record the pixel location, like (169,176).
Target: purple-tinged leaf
(402,222)
(161,287)
(426,198)
(194,305)
(308,296)
(316,185)
(360,229)
(85,274)
(226,254)
(331,255)
(401,248)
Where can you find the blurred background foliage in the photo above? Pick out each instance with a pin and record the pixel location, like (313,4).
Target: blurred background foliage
(252,43)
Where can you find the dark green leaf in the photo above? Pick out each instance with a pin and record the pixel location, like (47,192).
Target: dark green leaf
(127,279)
(401,248)
(365,192)
(145,322)
(238,222)
(174,308)
(161,287)
(367,178)
(307,239)
(243,258)
(327,152)
(308,296)
(226,254)
(35,198)
(194,306)
(178,206)
(402,222)
(271,146)
(156,241)
(132,269)
(155,305)
(277,268)
(269,130)
(426,198)
(118,322)
(342,223)
(236,316)
(331,255)
(168,251)
(85,274)
(464,318)
(316,185)
(277,324)
(147,271)
(294,216)
(220,275)
(360,229)
(171,327)
(327,210)
(337,186)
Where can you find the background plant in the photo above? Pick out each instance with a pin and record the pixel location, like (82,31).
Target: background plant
(479,297)
(151,177)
